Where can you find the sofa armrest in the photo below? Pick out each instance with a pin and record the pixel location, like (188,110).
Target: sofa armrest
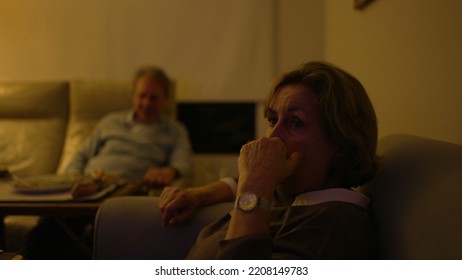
(416,198)
(131,228)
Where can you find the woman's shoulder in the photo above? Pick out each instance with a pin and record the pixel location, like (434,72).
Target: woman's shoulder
(332,214)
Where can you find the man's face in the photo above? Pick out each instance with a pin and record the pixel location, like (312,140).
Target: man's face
(149,99)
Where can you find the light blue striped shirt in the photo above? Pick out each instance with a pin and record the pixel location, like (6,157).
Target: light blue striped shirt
(121,145)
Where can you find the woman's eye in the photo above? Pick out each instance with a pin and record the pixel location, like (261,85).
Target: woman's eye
(272,121)
(297,123)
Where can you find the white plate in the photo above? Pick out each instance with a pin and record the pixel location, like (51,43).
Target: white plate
(49,183)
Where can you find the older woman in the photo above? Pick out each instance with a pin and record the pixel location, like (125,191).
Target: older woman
(295,196)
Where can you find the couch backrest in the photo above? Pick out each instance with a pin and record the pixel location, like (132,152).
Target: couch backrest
(33,121)
(416,199)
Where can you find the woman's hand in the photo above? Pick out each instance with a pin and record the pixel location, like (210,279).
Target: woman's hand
(176,205)
(263,164)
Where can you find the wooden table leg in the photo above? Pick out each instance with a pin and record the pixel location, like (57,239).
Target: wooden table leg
(76,239)
(2,232)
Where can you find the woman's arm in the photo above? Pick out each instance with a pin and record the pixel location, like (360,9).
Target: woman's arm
(263,165)
(178,204)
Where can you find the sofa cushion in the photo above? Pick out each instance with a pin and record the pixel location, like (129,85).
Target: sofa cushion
(33,119)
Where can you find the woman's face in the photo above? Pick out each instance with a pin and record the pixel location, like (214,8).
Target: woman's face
(293,116)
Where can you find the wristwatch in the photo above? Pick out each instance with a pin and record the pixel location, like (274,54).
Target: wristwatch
(249,201)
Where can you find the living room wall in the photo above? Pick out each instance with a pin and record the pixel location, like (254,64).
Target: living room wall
(216,51)
(408,55)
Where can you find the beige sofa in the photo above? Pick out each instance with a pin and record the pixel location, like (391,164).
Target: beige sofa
(416,205)
(42,124)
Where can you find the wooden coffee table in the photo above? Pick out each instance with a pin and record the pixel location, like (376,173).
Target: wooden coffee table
(61,209)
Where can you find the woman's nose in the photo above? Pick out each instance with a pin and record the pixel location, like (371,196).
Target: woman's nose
(278,131)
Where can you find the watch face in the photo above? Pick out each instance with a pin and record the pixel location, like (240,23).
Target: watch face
(248,201)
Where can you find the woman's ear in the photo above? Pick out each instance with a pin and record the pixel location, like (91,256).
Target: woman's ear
(337,148)
(338,157)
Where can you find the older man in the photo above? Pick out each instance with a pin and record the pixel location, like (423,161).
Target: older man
(137,143)
(141,142)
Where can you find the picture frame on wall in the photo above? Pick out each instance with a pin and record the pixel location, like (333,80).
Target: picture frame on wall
(361,4)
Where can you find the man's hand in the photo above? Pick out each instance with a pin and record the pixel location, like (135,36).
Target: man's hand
(160,176)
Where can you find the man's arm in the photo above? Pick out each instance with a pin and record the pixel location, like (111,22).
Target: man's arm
(87,151)
(181,156)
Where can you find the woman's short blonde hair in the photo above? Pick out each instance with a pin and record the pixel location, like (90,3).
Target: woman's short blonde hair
(348,116)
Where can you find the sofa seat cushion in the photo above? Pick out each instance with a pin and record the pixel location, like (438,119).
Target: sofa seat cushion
(17,228)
